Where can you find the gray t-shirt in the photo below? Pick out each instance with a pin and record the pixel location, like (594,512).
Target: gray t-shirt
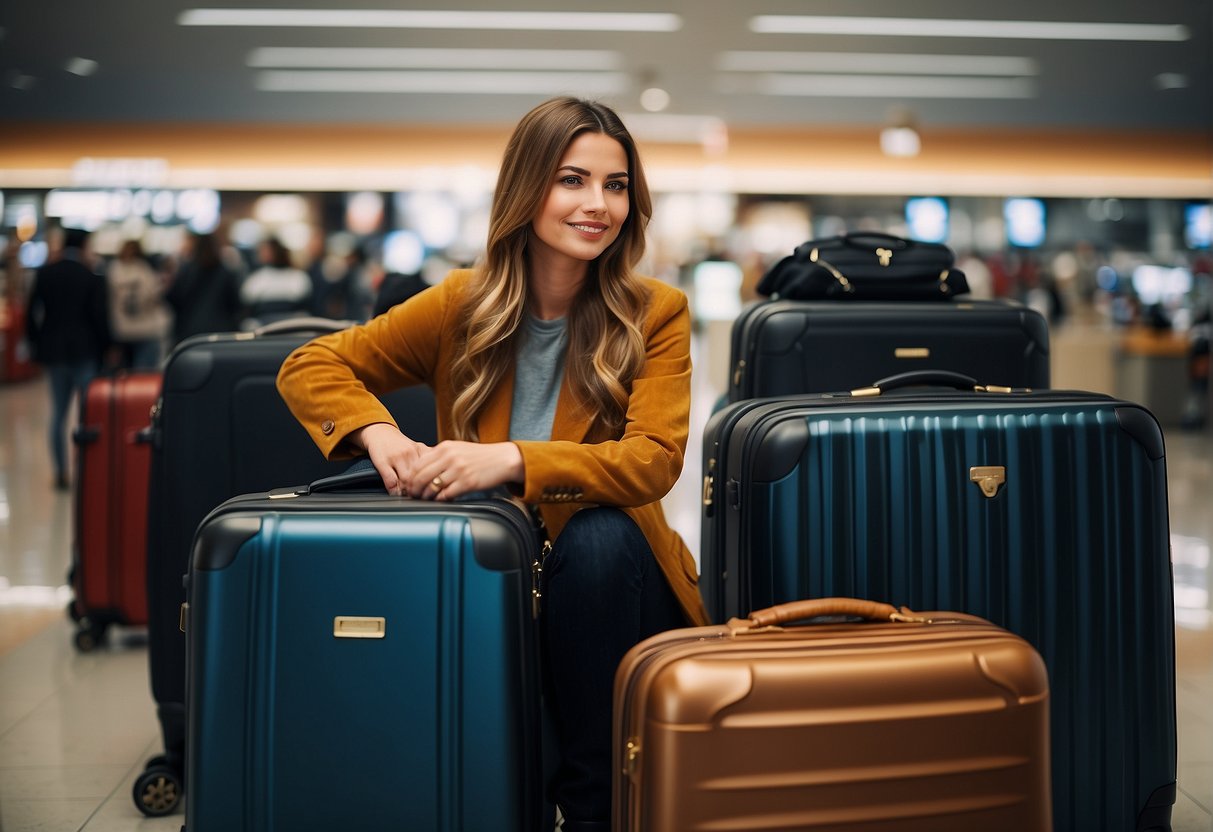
(538,372)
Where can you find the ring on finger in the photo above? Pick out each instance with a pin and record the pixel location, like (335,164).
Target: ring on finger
(437,482)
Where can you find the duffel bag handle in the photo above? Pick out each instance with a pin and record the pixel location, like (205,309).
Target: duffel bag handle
(817,607)
(855,239)
(307,324)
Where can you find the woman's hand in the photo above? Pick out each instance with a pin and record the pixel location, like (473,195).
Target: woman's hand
(393,454)
(451,469)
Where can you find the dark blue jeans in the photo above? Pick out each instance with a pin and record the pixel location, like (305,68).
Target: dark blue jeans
(65,380)
(603,592)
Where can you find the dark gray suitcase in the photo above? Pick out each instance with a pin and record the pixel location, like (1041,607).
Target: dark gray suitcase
(221,429)
(788,347)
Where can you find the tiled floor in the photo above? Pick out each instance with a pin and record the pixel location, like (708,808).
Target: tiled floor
(75,729)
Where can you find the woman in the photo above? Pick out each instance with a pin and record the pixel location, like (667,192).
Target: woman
(138,316)
(559,374)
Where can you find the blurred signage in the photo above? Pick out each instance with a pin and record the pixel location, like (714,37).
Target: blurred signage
(90,209)
(119,173)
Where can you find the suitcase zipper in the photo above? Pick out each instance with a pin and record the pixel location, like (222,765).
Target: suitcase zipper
(537,576)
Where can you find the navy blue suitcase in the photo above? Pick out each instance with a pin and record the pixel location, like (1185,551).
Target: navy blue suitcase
(789,347)
(1045,513)
(221,429)
(363,661)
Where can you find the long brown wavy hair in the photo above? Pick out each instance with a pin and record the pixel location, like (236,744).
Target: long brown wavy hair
(605,344)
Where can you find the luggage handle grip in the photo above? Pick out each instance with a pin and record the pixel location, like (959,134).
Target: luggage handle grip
(294,325)
(936,378)
(816,607)
(359,475)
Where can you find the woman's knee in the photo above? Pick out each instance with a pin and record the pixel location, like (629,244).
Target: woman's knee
(598,543)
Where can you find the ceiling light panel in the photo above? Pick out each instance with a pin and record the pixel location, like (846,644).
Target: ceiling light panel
(472,83)
(894,86)
(445,19)
(939,28)
(287,57)
(876,63)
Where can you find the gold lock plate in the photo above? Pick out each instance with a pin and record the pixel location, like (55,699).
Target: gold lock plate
(885,255)
(989,478)
(912,352)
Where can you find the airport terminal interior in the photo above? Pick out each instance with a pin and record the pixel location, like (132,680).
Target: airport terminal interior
(1065,156)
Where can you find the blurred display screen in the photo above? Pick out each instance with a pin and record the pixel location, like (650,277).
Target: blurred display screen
(1025,219)
(1161,284)
(1198,225)
(927,219)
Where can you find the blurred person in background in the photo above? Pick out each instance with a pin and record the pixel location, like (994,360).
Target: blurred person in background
(139,319)
(68,329)
(204,293)
(276,290)
(333,273)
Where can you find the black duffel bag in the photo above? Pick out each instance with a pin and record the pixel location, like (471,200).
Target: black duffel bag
(866,265)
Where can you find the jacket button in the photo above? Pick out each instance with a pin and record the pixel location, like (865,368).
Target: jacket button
(327,427)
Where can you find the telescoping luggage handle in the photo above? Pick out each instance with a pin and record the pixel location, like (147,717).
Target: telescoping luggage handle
(309,324)
(931,378)
(817,607)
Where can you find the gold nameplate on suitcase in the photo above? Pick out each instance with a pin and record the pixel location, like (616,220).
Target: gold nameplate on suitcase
(355,626)
(912,352)
(989,478)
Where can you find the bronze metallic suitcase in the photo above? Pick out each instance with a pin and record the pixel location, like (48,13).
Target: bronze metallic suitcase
(899,722)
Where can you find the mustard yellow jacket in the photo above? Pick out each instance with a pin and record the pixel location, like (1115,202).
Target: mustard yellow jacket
(331,384)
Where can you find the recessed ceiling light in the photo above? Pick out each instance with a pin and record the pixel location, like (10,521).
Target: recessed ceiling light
(419,19)
(876,63)
(893,86)
(335,57)
(654,99)
(515,83)
(946,28)
(902,142)
(81,66)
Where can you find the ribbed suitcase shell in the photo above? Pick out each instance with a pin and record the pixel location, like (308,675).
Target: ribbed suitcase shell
(109,563)
(818,496)
(434,726)
(788,347)
(867,727)
(222,429)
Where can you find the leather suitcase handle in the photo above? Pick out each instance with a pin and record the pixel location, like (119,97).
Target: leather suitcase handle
(815,607)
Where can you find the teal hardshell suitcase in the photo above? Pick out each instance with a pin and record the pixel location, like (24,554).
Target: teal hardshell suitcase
(1045,513)
(362,661)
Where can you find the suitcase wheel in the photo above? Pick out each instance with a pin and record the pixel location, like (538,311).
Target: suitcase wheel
(73,612)
(158,790)
(89,636)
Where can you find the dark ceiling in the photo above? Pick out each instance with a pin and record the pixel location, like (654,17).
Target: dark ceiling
(712,62)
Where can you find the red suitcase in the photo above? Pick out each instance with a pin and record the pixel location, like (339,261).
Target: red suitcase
(906,721)
(109,553)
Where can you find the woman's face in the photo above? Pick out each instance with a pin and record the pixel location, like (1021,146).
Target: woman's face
(587,201)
